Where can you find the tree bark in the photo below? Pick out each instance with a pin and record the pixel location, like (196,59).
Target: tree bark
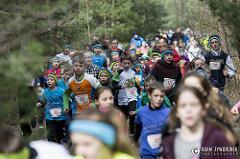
(88,25)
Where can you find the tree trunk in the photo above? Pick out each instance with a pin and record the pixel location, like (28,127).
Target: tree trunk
(88,25)
(225,36)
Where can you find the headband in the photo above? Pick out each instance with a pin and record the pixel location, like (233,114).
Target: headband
(213,37)
(96,46)
(114,63)
(53,76)
(102,131)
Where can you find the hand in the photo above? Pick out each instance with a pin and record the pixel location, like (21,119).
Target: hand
(39,105)
(235,110)
(182,62)
(168,88)
(225,72)
(131,113)
(124,86)
(66,110)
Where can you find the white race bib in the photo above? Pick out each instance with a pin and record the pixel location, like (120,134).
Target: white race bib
(131,92)
(82,99)
(56,112)
(169,83)
(154,140)
(215,65)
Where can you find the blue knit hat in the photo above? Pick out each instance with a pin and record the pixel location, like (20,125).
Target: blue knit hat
(137,65)
(166,52)
(96,46)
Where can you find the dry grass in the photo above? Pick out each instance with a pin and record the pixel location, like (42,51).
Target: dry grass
(232,90)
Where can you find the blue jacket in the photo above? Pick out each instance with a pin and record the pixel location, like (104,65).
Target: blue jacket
(137,42)
(153,122)
(54,103)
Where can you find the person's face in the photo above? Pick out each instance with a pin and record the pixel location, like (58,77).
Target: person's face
(215,45)
(194,82)
(116,67)
(175,43)
(178,30)
(138,69)
(86,146)
(156,98)
(55,64)
(78,68)
(66,51)
(66,75)
(88,58)
(146,85)
(97,50)
(103,77)
(114,44)
(126,64)
(168,58)
(181,44)
(158,45)
(198,63)
(162,43)
(51,82)
(189,109)
(105,100)
(106,42)
(95,38)
(155,58)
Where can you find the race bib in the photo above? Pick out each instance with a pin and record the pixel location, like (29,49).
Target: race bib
(154,140)
(131,92)
(215,65)
(169,83)
(82,99)
(56,112)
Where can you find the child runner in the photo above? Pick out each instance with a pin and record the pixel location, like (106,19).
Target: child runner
(54,111)
(114,67)
(167,72)
(55,67)
(139,75)
(151,121)
(104,78)
(195,131)
(144,95)
(95,136)
(98,58)
(81,85)
(66,73)
(91,69)
(127,96)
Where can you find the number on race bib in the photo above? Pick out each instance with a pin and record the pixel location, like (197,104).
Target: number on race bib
(82,99)
(56,112)
(215,65)
(169,83)
(154,140)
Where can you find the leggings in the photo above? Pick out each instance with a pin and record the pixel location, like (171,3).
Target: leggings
(126,109)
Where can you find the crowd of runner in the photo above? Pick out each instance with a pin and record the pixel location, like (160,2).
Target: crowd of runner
(157,98)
